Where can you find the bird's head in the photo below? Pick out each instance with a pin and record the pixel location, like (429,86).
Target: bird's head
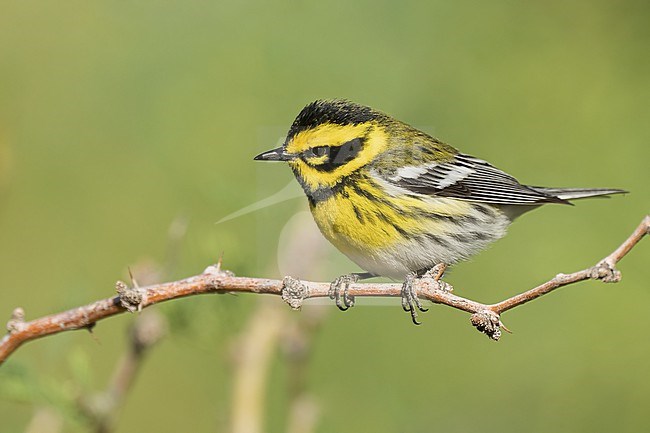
(329,141)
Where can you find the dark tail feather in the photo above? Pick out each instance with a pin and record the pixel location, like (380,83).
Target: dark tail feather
(576,193)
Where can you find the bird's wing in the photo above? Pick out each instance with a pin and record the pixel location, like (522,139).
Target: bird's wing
(468,178)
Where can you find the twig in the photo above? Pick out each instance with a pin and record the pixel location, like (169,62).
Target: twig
(45,420)
(214,280)
(101,409)
(271,327)
(297,342)
(254,352)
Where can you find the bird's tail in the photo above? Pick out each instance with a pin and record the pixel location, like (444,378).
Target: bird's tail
(576,193)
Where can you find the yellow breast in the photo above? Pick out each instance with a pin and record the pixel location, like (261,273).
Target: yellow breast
(362,217)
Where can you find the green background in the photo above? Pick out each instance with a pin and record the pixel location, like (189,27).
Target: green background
(118,118)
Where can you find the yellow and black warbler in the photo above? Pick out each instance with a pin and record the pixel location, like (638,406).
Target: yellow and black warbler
(397,201)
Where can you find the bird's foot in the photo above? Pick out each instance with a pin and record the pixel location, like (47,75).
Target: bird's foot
(339,291)
(410,301)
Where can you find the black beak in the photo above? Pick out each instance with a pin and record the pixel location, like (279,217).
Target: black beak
(273,155)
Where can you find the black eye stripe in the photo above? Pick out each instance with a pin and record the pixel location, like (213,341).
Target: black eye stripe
(337,155)
(345,152)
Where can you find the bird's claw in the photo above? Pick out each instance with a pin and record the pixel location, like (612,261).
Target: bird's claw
(342,298)
(410,301)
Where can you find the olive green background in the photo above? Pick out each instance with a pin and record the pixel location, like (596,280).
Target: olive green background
(117,118)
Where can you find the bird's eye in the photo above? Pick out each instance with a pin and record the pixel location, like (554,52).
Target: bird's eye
(320,150)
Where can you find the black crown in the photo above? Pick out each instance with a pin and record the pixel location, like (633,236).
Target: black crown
(336,111)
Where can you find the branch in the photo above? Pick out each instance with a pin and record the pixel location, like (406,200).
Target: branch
(486,317)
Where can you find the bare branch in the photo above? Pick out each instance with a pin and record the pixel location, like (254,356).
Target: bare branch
(604,270)
(215,280)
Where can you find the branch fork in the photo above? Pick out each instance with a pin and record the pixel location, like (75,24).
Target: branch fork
(131,298)
(294,292)
(489,323)
(606,272)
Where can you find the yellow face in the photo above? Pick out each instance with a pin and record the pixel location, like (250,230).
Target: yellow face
(324,155)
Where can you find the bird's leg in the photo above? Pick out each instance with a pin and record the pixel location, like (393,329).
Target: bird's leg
(437,271)
(410,301)
(342,298)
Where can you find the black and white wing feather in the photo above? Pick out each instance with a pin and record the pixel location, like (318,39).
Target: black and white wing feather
(471,179)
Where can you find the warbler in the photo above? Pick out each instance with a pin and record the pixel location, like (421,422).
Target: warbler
(397,201)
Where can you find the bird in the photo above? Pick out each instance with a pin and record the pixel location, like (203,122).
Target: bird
(397,201)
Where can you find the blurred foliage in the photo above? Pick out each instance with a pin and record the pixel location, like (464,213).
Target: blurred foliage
(117,117)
